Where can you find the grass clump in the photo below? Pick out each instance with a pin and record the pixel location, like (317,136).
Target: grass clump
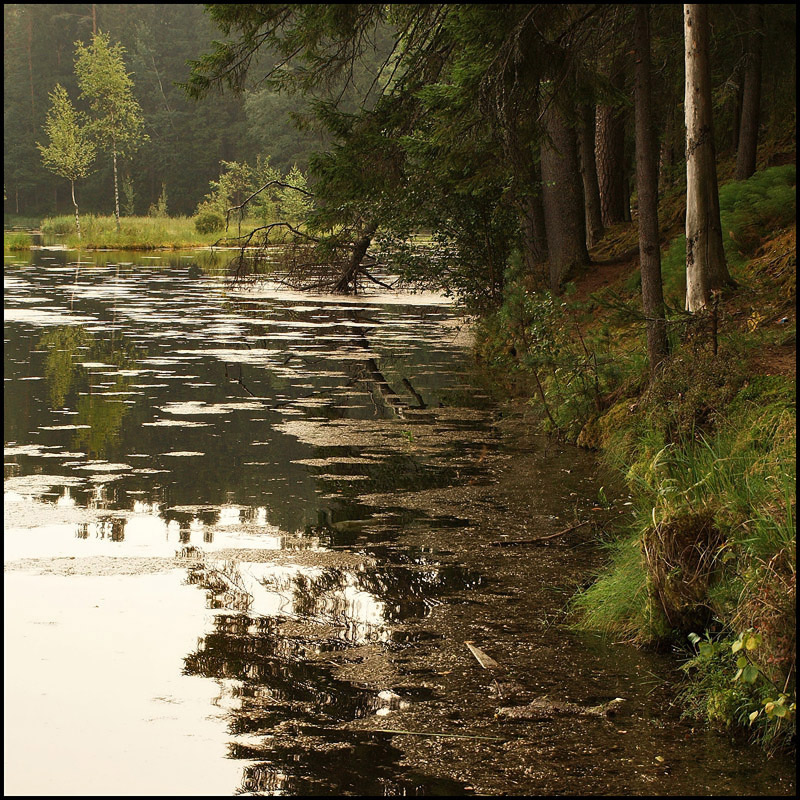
(16,241)
(135,233)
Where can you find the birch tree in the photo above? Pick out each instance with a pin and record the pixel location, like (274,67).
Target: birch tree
(103,81)
(71,152)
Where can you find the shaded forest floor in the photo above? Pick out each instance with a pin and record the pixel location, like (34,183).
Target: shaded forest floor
(706,559)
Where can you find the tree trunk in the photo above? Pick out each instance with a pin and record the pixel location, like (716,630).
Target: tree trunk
(647,190)
(562,196)
(116,188)
(591,188)
(531,224)
(347,281)
(77,218)
(751,97)
(706,271)
(610,154)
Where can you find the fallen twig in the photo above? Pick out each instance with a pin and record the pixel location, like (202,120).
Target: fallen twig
(449,735)
(514,542)
(486,661)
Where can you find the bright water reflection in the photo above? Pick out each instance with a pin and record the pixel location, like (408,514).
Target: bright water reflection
(152,413)
(247,535)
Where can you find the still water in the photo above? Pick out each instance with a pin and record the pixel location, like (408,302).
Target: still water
(248,533)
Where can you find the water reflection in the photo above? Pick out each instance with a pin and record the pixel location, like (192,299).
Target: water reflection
(284,708)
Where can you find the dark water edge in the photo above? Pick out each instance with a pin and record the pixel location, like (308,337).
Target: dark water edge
(243,558)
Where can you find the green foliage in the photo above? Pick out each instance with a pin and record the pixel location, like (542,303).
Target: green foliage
(539,337)
(731,686)
(128,196)
(17,240)
(620,602)
(208,220)
(70,152)
(241,183)
(294,206)
(117,117)
(159,208)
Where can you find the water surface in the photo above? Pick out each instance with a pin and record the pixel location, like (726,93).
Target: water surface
(248,533)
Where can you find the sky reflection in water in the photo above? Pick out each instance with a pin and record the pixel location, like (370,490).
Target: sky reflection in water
(151,412)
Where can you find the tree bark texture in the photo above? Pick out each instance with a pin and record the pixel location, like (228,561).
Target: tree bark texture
(562,196)
(591,187)
(532,232)
(706,271)
(610,156)
(647,190)
(751,96)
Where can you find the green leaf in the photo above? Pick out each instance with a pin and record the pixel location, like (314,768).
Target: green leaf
(742,662)
(736,646)
(752,642)
(753,716)
(750,674)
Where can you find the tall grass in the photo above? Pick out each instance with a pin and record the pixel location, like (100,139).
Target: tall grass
(15,241)
(135,233)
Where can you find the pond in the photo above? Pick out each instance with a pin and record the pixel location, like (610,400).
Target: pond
(254,545)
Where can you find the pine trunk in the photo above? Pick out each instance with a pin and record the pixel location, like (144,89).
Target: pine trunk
(531,223)
(610,159)
(591,188)
(751,98)
(562,196)
(534,241)
(647,190)
(706,271)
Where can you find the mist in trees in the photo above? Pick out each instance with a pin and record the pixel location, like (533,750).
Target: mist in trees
(510,135)
(187,140)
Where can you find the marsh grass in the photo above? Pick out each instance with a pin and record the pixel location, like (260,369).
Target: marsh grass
(16,241)
(136,233)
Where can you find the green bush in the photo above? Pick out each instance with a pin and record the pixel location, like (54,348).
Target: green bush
(62,226)
(208,221)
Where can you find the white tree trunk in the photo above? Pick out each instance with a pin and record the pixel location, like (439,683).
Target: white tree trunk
(706,271)
(116,189)
(77,218)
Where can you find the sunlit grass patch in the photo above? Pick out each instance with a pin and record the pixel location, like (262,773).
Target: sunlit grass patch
(137,233)
(16,241)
